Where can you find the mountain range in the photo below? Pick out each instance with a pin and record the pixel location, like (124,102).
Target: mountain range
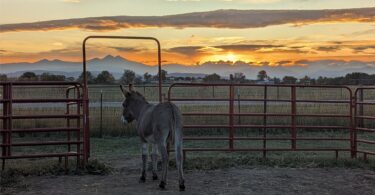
(117,64)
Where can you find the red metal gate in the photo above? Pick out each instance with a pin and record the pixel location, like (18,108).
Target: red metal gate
(72,117)
(364,123)
(292,96)
(80,117)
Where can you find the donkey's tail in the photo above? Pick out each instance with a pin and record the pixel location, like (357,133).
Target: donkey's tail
(175,132)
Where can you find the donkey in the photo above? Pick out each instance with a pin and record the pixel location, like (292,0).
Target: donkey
(156,125)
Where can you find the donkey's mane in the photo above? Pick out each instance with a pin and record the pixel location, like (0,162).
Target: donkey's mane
(140,95)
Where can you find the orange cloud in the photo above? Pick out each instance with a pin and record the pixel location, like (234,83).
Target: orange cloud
(236,19)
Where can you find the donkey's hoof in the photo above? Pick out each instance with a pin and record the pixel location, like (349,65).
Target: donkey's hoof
(162,185)
(182,187)
(142,179)
(155,177)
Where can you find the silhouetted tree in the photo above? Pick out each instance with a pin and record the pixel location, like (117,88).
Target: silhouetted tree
(51,77)
(28,76)
(262,75)
(289,80)
(105,78)
(138,80)
(239,77)
(212,78)
(305,80)
(164,74)
(147,77)
(90,78)
(127,77)
(3,77)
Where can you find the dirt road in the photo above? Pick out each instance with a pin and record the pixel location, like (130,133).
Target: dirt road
(256,180)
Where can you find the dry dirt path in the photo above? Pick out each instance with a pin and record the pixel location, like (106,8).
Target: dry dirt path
(257,180)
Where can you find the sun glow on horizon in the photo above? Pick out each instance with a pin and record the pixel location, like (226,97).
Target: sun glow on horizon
(227,57)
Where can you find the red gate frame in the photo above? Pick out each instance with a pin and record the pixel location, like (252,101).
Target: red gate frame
(8,117)
(85,84)
(359,116)
(231,126)
(83,100)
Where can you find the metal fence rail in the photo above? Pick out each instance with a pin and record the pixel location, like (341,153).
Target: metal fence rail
(364,112)
(9,119)
(292,100)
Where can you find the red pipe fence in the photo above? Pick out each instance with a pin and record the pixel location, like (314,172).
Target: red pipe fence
(348,104)
(355,120)
(9,119)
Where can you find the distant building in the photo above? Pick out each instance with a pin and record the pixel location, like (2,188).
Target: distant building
(265,82)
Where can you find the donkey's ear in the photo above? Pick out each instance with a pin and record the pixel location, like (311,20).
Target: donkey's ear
(131,88)
(124,92)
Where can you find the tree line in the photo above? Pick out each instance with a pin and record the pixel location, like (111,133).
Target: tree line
(104,77)
(354,78)
(129,76)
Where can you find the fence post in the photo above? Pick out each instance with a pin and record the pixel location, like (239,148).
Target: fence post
(354,120)
(294,120)
(239,105)
(101,114)
(361,112)
(5,123)
(265,122)
(231,108)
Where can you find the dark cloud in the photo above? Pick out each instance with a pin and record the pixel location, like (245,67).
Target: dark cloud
(328,48)
(359,49)
(248,47)
(186,50)
(126,49)
(286,50)
(192,50)
(213,19)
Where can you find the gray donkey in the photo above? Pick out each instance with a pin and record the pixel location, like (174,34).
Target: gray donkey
(156,125)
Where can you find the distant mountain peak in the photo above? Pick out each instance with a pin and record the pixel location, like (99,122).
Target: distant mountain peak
(43,61)
(111,57)
(49,61)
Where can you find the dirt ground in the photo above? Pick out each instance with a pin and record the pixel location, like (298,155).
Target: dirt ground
(257,180)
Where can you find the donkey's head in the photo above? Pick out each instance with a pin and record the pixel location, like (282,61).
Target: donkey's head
(132,104)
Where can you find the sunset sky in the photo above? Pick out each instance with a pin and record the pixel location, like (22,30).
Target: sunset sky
(191,32)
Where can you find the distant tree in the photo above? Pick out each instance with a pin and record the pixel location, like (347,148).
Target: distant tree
(105,78)
(276,80)
(45,76)
(289,80)
(321,80)
(164,74)
(90,78)
(51,77)
(28,76)
(231,77)
(305,80)
(212,78)
(239,77)
(147,77)
(262,75)
(127,77)
(3,77)
(138,80)
(356,78)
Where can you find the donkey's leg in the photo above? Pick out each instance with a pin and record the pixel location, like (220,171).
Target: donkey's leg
(154,158)
(164,157)
(144,150)
(179,161)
